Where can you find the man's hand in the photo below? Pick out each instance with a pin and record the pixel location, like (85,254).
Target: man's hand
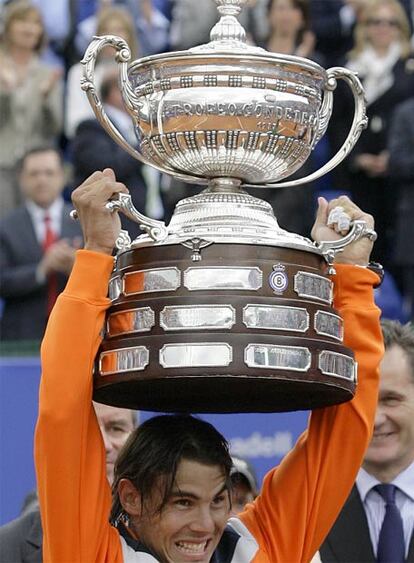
(100,226)
(58,258)
(358,252)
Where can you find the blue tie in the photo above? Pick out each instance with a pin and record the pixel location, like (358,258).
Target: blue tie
(391,547)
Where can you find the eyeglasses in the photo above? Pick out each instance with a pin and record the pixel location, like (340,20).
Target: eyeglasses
(384,22)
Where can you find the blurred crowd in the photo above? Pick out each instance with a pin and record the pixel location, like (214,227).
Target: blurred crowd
(50,140)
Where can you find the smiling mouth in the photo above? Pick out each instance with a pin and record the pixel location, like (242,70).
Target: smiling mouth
(382,435)
(192,548)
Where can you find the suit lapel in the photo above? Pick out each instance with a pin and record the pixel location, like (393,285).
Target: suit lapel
(349,538)
(28,234)
(410,558)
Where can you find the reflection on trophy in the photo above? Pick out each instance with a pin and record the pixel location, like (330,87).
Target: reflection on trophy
(222,310)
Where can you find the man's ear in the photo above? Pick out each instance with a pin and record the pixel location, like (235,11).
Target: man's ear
(129,497)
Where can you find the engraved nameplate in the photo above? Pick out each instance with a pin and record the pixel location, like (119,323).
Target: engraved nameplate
(147,281)
(337,365)
(197,317)
(275,317)
(313,286)
(130,321)
(264,110)
(328,324)
(223,278)
(198,354)
(266,356)
(123,360)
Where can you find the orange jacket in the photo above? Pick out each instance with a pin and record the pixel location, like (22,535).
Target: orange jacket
(300,499)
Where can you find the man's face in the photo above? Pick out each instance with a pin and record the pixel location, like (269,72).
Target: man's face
(392,446)
(42,178)
(241,494)
(115,425)
(189,527)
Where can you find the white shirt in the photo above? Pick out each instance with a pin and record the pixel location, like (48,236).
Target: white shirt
(374,504)
(37,215)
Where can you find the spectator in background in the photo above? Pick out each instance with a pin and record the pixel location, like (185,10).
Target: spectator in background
(244,487)
(401,170)
(93,149)
(359,532)
(384,63)
(37,247)
(21,539)
(290,34)
(333,22)
(31,103)
(111,20)
(149,23)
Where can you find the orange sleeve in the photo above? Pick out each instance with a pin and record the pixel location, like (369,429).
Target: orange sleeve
(301,499)
(74,493)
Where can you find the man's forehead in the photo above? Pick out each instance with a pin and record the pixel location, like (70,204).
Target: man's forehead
(106,414)
(199,479)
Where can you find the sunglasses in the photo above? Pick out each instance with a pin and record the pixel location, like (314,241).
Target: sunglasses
(384,22)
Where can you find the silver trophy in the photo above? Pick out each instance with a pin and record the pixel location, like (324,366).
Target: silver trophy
(222,310)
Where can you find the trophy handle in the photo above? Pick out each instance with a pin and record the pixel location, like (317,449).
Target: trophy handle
(133,104)
(330,248)
(155,229)
(359,123)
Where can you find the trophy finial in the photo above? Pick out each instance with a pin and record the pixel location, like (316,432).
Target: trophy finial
(228,27)
(230,7)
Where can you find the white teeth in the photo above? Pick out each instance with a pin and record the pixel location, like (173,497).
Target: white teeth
(192,547)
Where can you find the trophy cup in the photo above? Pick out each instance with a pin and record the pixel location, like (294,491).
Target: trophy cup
(222,310)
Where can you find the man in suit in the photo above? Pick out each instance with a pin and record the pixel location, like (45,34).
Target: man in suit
(93,149)
(359,534)
(21,539)
(37,247)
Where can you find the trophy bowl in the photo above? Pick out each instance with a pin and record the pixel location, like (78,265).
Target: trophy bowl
(222,310)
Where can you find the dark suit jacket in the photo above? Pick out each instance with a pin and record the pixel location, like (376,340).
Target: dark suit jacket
(25,299)
(349,540)
(21,540)
(93,149)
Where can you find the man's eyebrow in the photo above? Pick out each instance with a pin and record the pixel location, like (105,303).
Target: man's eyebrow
(178,493)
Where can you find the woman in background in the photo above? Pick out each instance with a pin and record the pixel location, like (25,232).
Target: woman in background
(290,34)
(31,95)
(385,65)
(111,20)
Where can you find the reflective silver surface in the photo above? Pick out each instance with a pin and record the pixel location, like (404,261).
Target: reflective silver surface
(223,278)
(197,317)
(197,354)
(295,358)
(130,321)
(147,281)
(313,286)
(329,324)
(123,360)
(337,365)
(229,115)
(276,317)
(115,288)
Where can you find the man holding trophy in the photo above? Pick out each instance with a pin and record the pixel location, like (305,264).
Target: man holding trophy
(178,513)
(220,311)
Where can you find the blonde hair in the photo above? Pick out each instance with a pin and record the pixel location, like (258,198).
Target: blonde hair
(108,14)
(370,12)
(19,10)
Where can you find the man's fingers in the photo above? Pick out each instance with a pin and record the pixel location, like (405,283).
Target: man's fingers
(109,173)
(322,211)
